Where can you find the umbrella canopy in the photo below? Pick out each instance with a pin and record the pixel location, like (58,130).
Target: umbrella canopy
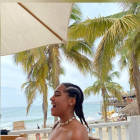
(115,115)
(25,26)
(130,109)
(90,119)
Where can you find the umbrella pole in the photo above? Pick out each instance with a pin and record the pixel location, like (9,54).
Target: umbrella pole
(25,8)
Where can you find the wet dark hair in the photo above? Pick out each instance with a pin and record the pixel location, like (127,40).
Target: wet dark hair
(76,92)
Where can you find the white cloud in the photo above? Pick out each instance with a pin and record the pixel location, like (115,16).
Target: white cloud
(93,10)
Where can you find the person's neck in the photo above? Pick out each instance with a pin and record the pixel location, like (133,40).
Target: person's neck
(66,117)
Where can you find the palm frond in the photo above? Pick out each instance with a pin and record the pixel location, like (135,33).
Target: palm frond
(106,49)
(83,64)
(91,29)
(114,89)
(95,89)
(79,46)
(133,39)
(114,74)
(88,91)
(131,7)
(76,13)
(30,92)
(118,15)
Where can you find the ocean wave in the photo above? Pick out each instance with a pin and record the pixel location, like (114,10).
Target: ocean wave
(34,120)
(6,124)
(38,119)
(35,115)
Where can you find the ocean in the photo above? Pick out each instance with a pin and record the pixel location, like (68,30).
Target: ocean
(35,115)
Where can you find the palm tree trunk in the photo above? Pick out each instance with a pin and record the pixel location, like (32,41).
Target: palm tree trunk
(45,108)
(56,85)
(104,105)
(136,79)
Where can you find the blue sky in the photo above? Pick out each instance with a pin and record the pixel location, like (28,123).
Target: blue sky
(12,75)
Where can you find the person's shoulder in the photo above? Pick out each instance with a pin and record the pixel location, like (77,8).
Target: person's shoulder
(78,124)
(79,132)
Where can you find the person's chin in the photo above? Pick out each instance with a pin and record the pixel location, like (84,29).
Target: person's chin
(53,114)
(54,111)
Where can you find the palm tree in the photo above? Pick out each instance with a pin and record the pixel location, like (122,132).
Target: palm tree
(114,30)
(130,57)
(118,41)
(107,87)
(43,66)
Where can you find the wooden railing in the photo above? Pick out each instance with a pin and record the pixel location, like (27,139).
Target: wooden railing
(100,126)
(109,126)
(33,131)
(132,127)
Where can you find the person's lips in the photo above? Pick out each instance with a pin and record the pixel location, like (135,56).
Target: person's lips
(53,105)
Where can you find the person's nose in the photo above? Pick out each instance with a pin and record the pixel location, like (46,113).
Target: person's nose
(52,98)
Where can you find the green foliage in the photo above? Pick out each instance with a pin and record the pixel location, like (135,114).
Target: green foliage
(106,87)
(113,30)
(76,52)
(132,8)
(43,65)
(126,52)
(111,88)
(76,14)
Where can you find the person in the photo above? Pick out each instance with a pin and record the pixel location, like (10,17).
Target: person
(127,99)
(20,138)
(38,126)
(67,100)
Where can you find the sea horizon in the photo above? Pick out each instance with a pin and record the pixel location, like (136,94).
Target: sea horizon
(35,115)
(48,104)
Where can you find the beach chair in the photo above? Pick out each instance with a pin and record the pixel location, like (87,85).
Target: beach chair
(11,137)
(19,125)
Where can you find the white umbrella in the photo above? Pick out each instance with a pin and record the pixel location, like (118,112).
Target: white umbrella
(115,115)
(90,119)
(28,25)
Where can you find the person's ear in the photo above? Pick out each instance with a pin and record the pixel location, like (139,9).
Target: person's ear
(72,101)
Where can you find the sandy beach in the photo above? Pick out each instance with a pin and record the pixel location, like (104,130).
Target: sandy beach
(114,133)
(96,135)
(33,137)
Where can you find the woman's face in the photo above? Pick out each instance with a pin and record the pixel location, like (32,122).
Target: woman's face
(60,101)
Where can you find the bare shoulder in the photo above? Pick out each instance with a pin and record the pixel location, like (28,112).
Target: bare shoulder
(79,132)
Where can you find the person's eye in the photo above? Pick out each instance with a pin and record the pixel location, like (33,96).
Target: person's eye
(56,95)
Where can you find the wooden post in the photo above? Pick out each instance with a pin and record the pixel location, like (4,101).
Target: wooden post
(37,136)
(127,132)
(110,133)
(100,134)
(119,132)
